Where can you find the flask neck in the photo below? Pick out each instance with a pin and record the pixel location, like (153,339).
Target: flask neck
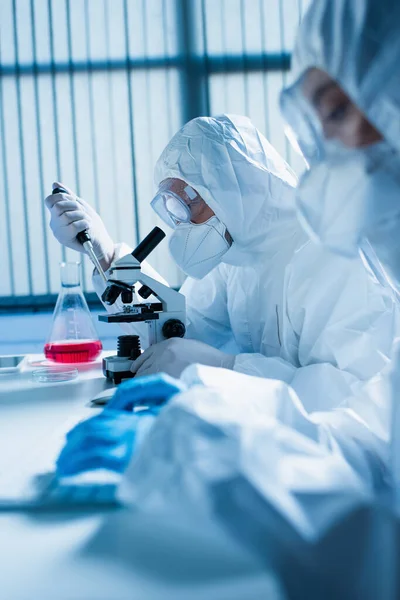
(70,275)
(71,288)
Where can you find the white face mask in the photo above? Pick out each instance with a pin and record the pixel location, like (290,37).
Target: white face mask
(349,195)
(197,249)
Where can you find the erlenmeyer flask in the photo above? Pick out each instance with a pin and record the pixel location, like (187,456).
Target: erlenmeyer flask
(73,337)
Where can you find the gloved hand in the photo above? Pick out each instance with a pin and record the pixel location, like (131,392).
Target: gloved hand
(69,215)
(106,441)
(174,355)
(152,391)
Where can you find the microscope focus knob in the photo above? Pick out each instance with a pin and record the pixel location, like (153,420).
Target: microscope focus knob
(173,328)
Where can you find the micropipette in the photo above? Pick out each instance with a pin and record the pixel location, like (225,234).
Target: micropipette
(84,238)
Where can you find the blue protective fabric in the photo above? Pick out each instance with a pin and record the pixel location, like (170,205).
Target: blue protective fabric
(108,440)
(153,390)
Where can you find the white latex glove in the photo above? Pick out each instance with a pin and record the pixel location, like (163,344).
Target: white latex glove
(69,215)
(174,355)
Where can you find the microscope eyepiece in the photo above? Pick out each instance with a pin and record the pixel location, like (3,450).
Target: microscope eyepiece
(147,245)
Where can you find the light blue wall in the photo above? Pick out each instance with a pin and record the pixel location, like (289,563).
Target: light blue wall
(90,94)
(93,102)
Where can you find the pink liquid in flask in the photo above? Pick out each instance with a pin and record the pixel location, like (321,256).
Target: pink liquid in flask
(73,351)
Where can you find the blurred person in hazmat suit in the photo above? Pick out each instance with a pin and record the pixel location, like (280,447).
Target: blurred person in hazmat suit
(343,109)
(318,494)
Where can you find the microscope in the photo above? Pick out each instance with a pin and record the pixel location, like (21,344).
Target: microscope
(165,317)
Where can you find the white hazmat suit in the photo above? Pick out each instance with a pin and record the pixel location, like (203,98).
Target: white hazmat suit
(286,309)
(249,451)
(238,306)
(358,45)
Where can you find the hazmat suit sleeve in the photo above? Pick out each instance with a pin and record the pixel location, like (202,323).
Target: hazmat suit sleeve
(207,318)
(99,286)
(217,448)
(337,329)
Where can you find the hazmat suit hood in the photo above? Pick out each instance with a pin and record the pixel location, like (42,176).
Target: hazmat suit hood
(239,175)
(357,42)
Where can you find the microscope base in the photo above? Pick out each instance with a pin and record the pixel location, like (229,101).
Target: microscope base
(115,369)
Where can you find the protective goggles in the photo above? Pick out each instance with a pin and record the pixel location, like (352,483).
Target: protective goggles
(303,129)
(176,202)
(306,134)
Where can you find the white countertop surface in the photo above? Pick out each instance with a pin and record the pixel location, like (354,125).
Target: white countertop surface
(114,555)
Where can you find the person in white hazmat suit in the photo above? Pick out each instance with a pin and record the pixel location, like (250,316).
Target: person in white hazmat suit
(274,466)
(260,299)
(279,478)
(276,476)
(322,477)
(345,117)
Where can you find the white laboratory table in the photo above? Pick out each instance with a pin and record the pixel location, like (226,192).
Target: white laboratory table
(104,555)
